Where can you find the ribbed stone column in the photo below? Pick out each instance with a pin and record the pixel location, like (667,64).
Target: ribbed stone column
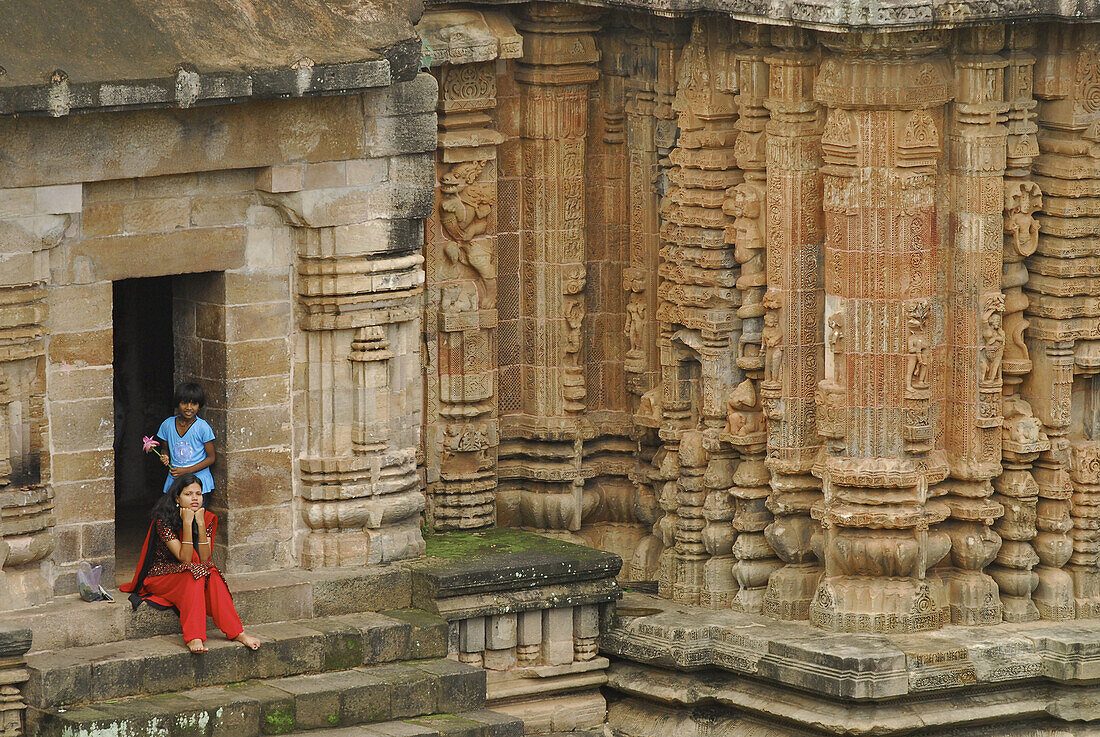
(881,144)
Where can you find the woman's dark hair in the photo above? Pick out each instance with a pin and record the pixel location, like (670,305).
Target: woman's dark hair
(165,510)
(189,391)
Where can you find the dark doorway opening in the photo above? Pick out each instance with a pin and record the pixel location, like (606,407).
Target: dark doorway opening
(143,391)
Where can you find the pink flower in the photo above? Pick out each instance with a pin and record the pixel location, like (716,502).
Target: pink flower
(148,444)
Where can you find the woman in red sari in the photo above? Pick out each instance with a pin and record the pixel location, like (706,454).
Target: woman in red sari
(175,569)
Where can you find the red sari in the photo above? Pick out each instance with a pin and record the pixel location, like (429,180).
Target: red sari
(194,589)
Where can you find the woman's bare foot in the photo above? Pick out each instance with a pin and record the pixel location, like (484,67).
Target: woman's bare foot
(248,641)
(196,646)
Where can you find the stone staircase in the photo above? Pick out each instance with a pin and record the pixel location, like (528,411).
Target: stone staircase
(356,675)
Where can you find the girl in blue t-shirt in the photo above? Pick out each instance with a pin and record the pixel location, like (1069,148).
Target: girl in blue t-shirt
(189,439)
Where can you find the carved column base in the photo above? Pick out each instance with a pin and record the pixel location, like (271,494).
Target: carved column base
(1015,577)
(364,516)
(1086,590)
(791,591)
(28,541)
(974,597)
(1054,594)
(794,536)
(879,605)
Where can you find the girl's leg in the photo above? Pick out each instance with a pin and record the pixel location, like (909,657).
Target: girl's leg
(220,605)
(188,595)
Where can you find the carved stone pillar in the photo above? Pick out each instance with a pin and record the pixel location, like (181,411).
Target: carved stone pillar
(26,503)
(881,142)
(360,321)
(1022,437)
(13,677)
(541,454)
(758,350)
(653,46)
(698,312)
(793,329)
(462,425)
(976,145)
(1064,321)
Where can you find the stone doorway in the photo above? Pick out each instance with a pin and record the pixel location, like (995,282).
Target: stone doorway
(144,377)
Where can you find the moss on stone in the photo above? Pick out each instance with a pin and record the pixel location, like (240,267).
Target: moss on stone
(278,720)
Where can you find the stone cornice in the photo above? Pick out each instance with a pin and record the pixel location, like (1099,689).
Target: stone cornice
(869,15)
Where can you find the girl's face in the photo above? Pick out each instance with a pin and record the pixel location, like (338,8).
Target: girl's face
(188,410)
(190,497)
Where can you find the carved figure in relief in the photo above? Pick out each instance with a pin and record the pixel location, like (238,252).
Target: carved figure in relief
(459,298)
(745,204)
(574,278)
(465,206)
(771,337)
(574,315)
(635,324)
(838,345)
(742,416)
(993,338)
(917,345)
(1020,424)
(649,407)
(1022,200)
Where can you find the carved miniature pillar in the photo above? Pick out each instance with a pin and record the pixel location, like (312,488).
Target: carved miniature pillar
(881,143)
(1059,312)
(610,497)
(649,87)
(793,328)
(360,315)
(462,425)
(16,641)
(554,74)
(26,503)
(698,313)
(745,428)
(1022,437)
(976,145)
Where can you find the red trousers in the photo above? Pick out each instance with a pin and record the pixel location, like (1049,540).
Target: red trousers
(195,598)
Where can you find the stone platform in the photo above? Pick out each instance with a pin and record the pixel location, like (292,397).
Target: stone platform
(682,670)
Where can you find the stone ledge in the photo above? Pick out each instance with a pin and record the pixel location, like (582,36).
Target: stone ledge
(862,668)
(502,560)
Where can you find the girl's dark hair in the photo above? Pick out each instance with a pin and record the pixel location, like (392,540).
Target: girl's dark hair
(189,391)
(165,510)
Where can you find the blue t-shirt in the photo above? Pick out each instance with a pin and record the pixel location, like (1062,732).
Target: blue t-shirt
(189,449)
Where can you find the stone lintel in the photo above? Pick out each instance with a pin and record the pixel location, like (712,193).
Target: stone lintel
(856,667)
(866,15)
(502,561)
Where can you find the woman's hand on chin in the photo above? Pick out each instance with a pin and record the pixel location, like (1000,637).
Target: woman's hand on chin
(187,515)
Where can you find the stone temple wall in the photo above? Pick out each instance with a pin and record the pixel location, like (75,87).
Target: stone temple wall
(292,231)
(797,322)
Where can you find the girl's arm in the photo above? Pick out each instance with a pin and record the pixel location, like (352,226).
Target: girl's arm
(204,545)
(184,547)
(206,463)
(165,454)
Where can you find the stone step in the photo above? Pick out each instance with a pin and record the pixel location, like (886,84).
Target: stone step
(160,665)
(481,723)
(367,695)
(260,598)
